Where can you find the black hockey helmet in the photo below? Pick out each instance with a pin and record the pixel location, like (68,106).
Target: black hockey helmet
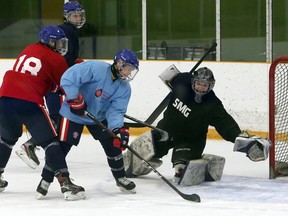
(204,75)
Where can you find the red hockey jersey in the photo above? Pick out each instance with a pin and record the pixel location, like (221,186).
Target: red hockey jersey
(35,71)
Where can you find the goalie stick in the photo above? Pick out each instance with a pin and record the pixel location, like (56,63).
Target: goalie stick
(190,197)
(164,134)
(159,109)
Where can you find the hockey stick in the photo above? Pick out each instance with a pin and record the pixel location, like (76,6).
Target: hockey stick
(154,115)
(164,134)
(190,197)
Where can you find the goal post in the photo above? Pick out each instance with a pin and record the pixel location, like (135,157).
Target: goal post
(278,117)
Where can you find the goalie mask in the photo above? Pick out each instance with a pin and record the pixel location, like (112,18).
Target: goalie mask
(202,82)
(126,65)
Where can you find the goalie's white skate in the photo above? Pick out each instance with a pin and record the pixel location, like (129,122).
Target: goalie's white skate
(27,154)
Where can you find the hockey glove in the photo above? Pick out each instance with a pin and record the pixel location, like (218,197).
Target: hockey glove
(77,106)
(122,141)
(57,89)
(256,148)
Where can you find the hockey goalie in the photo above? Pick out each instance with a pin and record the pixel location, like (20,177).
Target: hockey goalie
(193,107)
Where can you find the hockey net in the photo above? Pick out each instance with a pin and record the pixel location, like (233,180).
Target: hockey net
(278,117)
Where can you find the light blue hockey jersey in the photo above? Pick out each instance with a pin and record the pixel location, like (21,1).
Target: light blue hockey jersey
(105,99)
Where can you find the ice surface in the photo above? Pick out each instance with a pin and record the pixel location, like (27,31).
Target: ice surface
(243,190)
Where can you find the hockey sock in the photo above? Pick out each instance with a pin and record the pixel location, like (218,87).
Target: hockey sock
(55,158)
(5,152)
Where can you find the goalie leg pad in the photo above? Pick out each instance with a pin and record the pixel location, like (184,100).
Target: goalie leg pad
(215,167)
(256,148)
(208,168)
(193,173)
(144,146)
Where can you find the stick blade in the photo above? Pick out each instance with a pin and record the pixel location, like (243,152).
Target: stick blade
(192,197)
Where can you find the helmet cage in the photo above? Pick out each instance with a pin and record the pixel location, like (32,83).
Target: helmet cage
(203,75)
(131,69)
(129,62)
(72,10)
(61,46)
(210,86)
(70,18)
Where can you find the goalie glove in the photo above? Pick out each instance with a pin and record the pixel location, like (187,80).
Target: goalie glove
(256,148)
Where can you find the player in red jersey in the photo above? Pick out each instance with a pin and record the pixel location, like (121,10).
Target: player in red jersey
(36,70)
(74,19)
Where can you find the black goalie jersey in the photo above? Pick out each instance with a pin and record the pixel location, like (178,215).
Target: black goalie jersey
(187,121)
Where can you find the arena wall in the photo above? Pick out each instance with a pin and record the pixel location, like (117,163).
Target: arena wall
(242,87)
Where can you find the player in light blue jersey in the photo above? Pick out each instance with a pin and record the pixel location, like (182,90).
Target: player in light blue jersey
(103,89)
(105,96)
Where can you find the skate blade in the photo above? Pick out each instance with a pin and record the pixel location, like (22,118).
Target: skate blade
(133,191)
(2,189)
(23,156)
(72,197)
(39,196)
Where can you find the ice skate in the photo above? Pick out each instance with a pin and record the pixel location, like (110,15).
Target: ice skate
(70,191)
(3,183)
(27,154)
(42,189)
(125,185)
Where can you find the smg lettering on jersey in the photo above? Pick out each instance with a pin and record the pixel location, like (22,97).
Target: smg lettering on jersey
(181,107)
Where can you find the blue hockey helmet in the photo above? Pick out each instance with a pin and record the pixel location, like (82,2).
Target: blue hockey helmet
(54,37)
(128,63)
(74,13)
